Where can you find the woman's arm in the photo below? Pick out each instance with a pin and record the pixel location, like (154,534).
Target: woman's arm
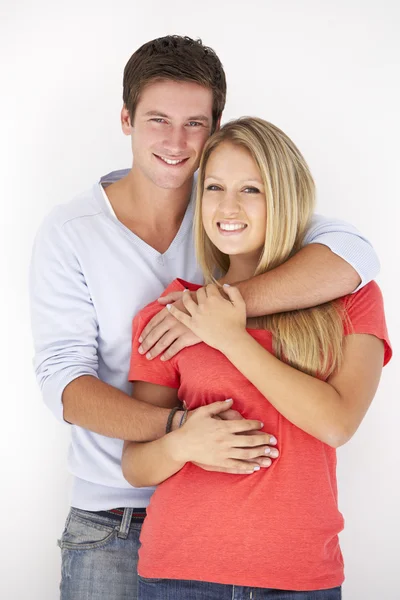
(210,442)
(331,411)
(149,463)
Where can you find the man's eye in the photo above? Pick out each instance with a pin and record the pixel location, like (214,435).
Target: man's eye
(195,124)
(251,190)
(213,188)
(158,120)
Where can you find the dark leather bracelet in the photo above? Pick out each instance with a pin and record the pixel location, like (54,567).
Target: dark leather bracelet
(170,418)
(183,418)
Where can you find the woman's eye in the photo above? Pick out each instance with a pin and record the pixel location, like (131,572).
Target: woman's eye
(213,188)
(251,190)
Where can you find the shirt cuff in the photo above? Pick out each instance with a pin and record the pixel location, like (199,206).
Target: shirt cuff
(54,386)
(355,251)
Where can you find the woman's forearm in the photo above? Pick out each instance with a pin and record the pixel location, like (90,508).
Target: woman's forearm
(150,463)
(309,403)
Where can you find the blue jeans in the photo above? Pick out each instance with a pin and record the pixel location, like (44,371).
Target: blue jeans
(176,589)
(99,556)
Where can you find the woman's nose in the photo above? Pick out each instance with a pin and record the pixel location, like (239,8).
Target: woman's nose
(229,204)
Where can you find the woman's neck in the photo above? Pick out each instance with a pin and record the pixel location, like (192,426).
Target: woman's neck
(240,268)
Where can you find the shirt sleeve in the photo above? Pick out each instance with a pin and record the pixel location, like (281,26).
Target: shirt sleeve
(347,242)
(63,318)
(152,371)
(365,314)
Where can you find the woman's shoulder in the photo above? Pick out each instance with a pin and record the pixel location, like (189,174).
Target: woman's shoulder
(365,313)
(154,307)
(367,299)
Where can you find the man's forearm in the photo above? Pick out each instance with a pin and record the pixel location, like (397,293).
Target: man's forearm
(99,407)
(312,276)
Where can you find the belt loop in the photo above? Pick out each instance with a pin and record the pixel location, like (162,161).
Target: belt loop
(125,524)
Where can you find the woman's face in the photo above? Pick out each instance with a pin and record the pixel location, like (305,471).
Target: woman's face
(234,210)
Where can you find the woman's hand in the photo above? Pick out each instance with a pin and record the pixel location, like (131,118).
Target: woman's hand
(217,321)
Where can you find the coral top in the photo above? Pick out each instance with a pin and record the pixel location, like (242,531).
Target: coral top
(276,528)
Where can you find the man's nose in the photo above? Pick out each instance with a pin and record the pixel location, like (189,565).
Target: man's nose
(176,141)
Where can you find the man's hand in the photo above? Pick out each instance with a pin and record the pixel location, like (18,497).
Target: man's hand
(164,334)
(234,415)
(233,446)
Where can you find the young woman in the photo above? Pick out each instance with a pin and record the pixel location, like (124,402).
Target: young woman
(309,375)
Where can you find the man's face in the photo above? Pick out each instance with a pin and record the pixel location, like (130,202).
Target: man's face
(171,125)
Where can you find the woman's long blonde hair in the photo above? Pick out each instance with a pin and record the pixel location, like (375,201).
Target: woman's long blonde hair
(308,339)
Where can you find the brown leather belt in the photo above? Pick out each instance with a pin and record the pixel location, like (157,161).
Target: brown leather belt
(138,514)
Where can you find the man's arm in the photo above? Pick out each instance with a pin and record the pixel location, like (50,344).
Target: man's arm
(102,408)
(312,276)
(234,446)
(64,328)
(334,262)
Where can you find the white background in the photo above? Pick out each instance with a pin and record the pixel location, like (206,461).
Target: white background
(328,74)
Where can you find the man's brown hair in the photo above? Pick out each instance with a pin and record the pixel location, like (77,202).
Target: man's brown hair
(175,58)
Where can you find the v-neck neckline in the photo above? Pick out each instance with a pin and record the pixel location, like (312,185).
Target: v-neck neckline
(184,228)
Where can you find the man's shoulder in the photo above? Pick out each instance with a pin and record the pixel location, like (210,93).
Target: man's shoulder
(86,204)
(83,205)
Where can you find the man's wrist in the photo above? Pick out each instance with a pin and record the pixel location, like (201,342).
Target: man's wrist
(176,420)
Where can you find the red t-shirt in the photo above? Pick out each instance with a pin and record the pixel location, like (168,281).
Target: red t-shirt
(276,528)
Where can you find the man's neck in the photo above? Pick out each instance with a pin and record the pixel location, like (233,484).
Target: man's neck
(153,213)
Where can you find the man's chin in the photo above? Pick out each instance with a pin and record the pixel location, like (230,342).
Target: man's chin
(172,183)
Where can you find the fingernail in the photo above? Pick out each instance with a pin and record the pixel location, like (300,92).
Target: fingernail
(261,424)
(273,440)
(168,307)
(162,358)
(140,340)
(140,350)
(274,453)
(186,290)
(268,451)
(266,462)
(148,356)
(228,400)
(257,468)
(226,285)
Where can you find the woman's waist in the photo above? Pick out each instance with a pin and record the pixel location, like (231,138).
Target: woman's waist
(268,498)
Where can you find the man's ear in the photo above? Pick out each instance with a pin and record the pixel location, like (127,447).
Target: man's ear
(126,121)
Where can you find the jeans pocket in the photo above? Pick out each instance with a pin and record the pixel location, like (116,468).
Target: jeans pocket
(82,533)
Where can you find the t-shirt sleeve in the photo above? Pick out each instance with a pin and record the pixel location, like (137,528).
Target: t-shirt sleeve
(153,371)
(365,314)
(347,242)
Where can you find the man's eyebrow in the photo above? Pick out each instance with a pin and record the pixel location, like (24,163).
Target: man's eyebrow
(157,113)
(199,118)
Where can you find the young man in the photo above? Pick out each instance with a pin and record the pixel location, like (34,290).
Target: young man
(98,260)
